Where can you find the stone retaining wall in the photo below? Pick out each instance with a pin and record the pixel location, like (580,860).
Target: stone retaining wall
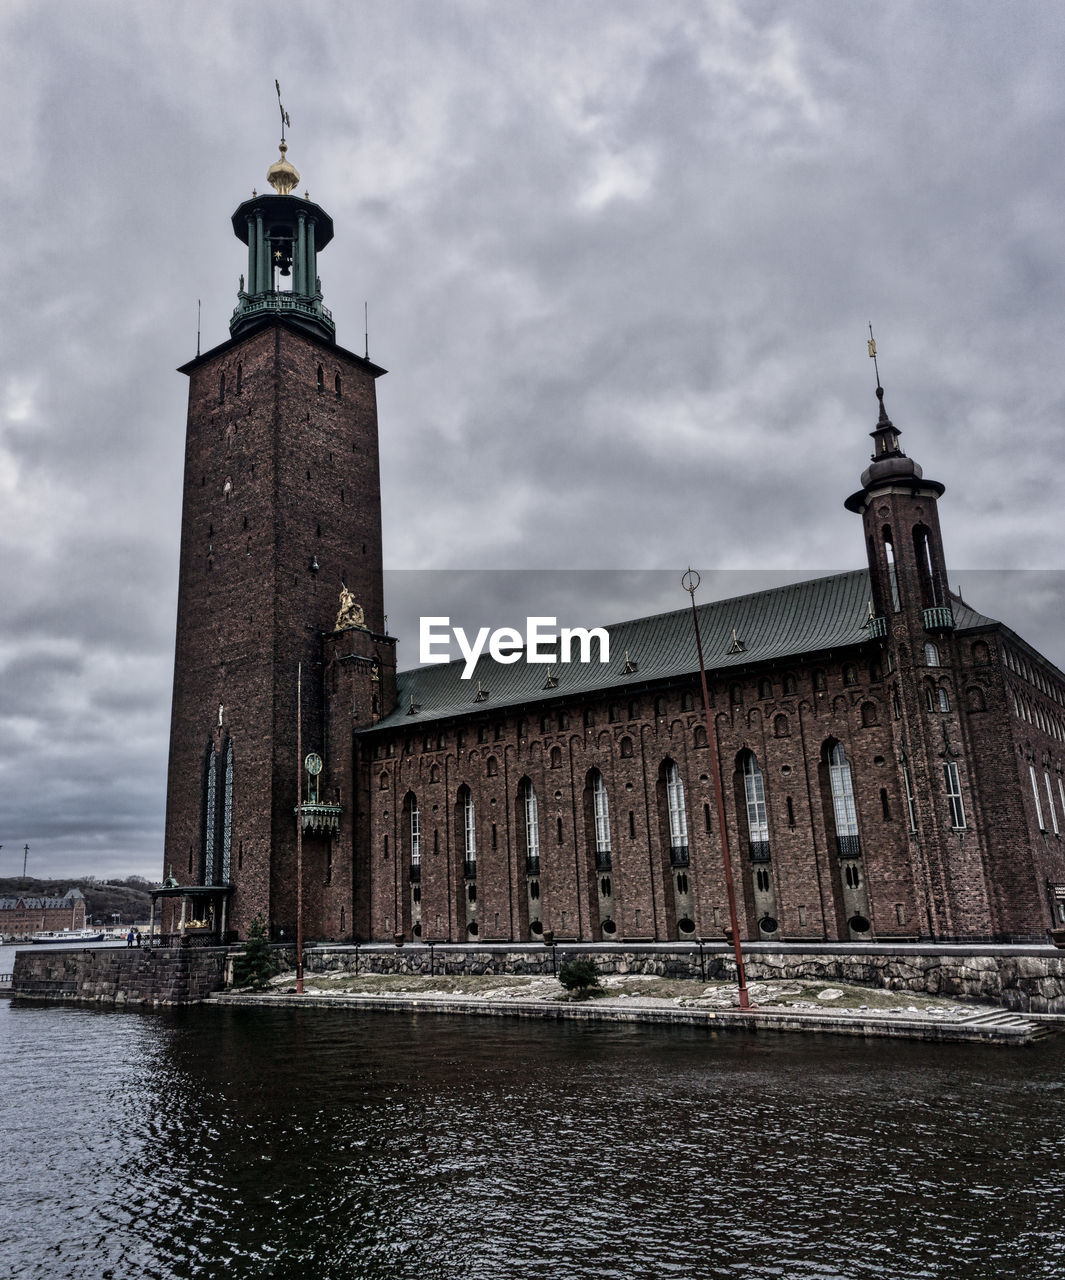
(119,975)
(1023,979)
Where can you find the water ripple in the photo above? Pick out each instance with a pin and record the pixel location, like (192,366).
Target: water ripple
(330,1146)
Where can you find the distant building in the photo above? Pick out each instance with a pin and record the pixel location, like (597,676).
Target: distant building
(892,759)
(21,917)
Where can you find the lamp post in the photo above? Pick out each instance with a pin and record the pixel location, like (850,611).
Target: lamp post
(690,581)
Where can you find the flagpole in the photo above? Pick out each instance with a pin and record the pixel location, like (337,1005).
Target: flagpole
(299,829)
(690,581)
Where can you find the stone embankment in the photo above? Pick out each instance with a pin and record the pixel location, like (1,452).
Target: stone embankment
(1027,979)
(1020,979)
(120,975)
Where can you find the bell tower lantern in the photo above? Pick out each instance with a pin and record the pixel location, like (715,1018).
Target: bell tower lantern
(284,234)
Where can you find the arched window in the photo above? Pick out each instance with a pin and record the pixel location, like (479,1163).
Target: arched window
(981,655)
(846,816)
(532,829)
(735,695)
(820,683)
(227,811)
(893,580)
(336,385)
(789,683)
(868,713)
(678,820)
(850,674)
(601,816)
(765,689)
(931,655)
(493,766)
(626,747)
(699,736)
(556,757)
(757,815)
(922,546)
(660,706)
(687,701)
(976,700)
(944,699)
(780,726)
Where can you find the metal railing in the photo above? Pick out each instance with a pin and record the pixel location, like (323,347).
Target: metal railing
(878,628)
(678,855)
(940,618)
(759,850)
(602,860)
(849,846)
(469,868)
(415,872)
(532,865)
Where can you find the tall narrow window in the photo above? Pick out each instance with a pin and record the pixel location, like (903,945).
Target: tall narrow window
(532,831)
(957,810)
(1061,794)
(931,655)
(210,814)
(321,378)
(757,817)
(601,813)
(678,819)
(336,385)
(415,837)
(907,782)
(1050,804)
(893,579)
(470,829)
(240,377)
(922,546)
(227,812)
(839,772)
(1035,793)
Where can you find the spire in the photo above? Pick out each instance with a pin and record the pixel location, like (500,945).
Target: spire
(888,464)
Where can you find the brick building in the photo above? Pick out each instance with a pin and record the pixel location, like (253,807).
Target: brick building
(22,917)
(891,758)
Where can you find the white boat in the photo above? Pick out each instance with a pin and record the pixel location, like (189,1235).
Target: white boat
(68,936)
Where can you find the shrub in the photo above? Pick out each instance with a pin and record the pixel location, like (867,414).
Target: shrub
(257,965)
(579,977)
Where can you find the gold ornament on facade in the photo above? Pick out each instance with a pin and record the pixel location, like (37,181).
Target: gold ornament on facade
(351,613)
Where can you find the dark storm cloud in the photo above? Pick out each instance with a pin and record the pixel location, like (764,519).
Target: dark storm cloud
(619,259)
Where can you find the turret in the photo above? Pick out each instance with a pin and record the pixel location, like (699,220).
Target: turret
(898,506)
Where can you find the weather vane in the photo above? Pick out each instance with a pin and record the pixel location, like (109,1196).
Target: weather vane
(872,352)
(284,114)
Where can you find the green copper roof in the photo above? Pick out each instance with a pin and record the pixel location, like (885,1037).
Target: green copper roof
(779,625)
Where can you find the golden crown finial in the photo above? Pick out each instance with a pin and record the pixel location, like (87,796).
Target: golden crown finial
(283,176)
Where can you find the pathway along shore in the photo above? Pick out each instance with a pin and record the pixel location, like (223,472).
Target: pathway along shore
(778,1007)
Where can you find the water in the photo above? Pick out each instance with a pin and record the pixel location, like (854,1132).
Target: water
(356,1146)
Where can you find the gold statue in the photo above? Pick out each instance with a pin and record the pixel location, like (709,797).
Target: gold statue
(351,614)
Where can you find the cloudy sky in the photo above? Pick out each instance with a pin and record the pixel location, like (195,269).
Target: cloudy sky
(619,260)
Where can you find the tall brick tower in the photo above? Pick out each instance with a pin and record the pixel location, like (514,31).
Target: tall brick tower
(281,514)
(913,614)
